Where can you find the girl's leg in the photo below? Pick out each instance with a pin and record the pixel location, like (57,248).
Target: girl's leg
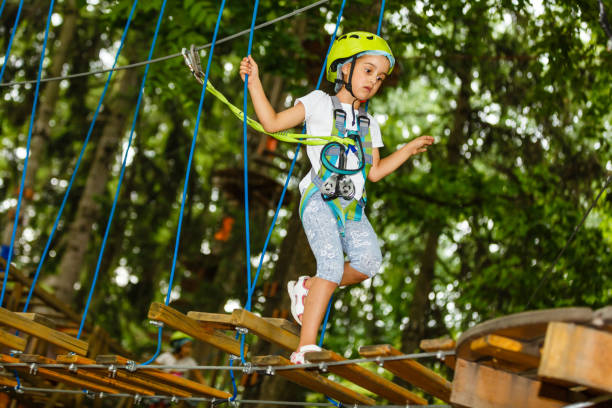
(322,232)
(361,245)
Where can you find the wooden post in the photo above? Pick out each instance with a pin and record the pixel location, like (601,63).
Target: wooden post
(575,354)
(478,386)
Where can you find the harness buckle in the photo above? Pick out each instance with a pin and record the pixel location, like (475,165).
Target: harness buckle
(365,120)
(339,112)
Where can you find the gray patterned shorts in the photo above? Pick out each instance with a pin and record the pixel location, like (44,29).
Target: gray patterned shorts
(329,246)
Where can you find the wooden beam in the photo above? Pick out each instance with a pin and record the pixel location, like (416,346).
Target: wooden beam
(42,332)
(151,372)
(524,354)
(440,344)
(366,379)
(478,386)
(575,354)
(38,318)
(224,321)
(176,320)
(411,371)
(7,382)
(56,376)
(314,381)
(265,329)
(11,341)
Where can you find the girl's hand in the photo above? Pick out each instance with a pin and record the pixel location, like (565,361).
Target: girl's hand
(420,144)
(250,68)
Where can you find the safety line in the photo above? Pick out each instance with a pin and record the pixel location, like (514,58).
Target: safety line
(551,270)
(214,401)
(78,163)
(440,355)
(10,44)
(122,173)
(25,163)
(170,56)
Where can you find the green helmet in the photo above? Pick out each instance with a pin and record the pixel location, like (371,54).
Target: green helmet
(356,44)
(179,338)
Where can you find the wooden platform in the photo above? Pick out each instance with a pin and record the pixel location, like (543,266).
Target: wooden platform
(535,359)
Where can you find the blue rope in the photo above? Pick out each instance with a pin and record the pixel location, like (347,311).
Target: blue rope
(10,45)
(123,167)
(193,143)
(25,164)
(246,165)
(159,342)
(2,7)
(78,163)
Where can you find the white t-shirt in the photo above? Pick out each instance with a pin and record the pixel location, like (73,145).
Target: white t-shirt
(320,122)
(168,358)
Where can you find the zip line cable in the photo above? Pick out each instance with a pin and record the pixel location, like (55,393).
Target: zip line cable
(122,173)
(30,131)
(170,56)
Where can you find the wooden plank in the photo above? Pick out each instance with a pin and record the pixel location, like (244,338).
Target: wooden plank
(478,386)
(11,341)
(265,329)
(102,377)
(57,376)
(525,326)
(440,344)
(411,371)
(314,381)
(575,354)
(173,318)
(366,379)
(42,332)
(171,379)
(225,321)
(7,382)
(503,348)
(38,318)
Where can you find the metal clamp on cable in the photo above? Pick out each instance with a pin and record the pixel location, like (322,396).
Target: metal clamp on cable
(137,399)
(242,330)
(192,59)
(174,399)
(156,323)
(270,370)
(18,389)
(34,368)
(323,367)
(247,368)
(72,368)
(130,365)
(112,371)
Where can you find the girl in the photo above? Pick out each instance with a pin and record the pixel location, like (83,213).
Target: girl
(333,192)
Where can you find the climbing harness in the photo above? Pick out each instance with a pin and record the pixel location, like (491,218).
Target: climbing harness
(192,60)
(332,180)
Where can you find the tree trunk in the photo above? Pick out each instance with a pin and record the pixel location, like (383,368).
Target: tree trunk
(42,129)
(79,233)
(420,310)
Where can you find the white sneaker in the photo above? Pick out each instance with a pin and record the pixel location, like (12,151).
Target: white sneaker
(297,293)
(297,357)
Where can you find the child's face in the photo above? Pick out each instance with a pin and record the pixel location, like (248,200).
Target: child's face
(370,71)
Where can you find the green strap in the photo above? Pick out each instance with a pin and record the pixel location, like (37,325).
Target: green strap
(282,136)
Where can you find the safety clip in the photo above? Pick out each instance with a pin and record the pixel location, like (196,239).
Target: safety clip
(192,59)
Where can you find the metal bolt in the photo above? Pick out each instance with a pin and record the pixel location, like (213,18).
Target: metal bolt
(72,368)
(270,370)
(247,368)
(379,361)
(323,367)
(440,355)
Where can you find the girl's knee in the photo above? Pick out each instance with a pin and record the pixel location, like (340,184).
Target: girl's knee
(368,263)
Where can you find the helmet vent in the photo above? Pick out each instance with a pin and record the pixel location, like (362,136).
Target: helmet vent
(354,36)
(371,37)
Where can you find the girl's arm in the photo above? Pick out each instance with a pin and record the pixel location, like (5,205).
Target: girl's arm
(268,117)
(383,167)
